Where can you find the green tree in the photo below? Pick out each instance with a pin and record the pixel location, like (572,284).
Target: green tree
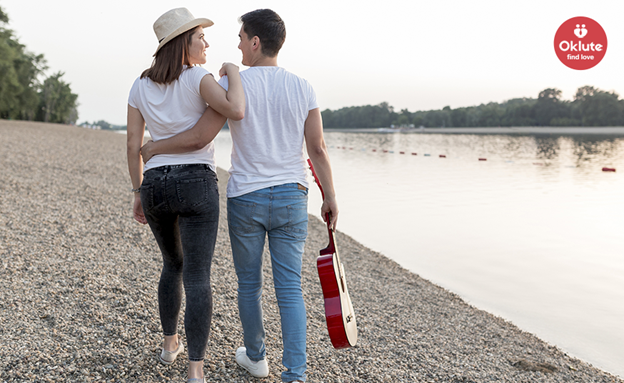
(404,118)
(597,108)
(27,67)
(458,117)
(519,112)
(549,106)
(367,116)
(436,119)
(473,116)
(490,114)
(9,84)
(446,116)
(4,18)
(418,119)
(57,102)
(20,88)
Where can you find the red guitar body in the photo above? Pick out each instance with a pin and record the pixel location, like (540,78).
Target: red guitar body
(339,314)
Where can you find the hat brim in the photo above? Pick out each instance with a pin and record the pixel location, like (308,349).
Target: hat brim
(205,23)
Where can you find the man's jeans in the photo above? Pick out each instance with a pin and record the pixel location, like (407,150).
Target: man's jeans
(181,205)
(281,212)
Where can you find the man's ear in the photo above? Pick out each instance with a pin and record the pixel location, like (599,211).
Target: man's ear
(255,42)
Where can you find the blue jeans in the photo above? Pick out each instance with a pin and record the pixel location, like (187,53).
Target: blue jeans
(181,205)
(281,213)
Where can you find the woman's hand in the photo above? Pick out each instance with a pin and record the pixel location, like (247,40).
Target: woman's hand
(146,151)
(230,103)
(137,209)
(227,68)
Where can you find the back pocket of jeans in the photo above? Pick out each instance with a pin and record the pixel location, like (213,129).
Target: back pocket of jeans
(240,215)
(192,192)
(147,197)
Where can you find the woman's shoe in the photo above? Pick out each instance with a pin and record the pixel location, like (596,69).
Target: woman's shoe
(168,357)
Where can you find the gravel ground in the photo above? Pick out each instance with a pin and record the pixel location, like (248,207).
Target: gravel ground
(78,281)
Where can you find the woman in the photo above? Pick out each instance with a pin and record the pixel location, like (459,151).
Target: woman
(177,194)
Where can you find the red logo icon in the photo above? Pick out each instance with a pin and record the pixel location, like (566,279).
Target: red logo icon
(580,43)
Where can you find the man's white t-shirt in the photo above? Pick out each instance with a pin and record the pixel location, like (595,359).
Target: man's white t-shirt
(169,109)
(268,143)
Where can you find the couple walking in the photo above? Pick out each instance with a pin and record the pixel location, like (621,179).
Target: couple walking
(272,114)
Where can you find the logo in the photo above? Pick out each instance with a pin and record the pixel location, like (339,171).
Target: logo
(580,33)
(580,43)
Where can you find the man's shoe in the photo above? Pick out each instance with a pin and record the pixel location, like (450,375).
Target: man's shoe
(168,357)
(259,369)
(196,380)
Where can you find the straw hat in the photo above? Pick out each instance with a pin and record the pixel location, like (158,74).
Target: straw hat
(175,22)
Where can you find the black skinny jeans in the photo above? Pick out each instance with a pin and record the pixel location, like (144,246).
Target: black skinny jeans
(181,204)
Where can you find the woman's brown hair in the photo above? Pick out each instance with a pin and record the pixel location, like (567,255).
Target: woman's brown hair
(170,59)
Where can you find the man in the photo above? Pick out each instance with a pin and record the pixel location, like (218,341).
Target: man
(267,189)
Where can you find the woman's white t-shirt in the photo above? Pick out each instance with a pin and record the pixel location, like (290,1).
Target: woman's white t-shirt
(169,109)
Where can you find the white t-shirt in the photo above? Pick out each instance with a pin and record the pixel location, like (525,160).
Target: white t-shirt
(171,109)
(268,143)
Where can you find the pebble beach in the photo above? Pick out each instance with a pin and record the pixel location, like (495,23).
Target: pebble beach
(78,283)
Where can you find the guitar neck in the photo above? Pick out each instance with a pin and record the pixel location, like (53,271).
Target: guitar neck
(332,243)
(331,248)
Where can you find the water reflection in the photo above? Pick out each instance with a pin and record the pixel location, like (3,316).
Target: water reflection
(547,148)
(513,148)
(588,148)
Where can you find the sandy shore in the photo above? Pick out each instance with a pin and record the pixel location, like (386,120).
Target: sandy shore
(78,281)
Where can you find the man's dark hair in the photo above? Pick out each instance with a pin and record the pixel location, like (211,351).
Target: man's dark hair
(268,26)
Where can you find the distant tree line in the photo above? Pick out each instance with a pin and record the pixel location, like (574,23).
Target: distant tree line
(103,125)
(23,93)
(590,107)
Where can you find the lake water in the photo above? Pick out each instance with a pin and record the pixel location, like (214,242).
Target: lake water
(534,234)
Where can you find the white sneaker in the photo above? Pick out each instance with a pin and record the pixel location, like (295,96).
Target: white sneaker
(259,369)
(168,357)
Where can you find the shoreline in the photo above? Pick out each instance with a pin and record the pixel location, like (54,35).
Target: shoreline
(559,131)
(79,277)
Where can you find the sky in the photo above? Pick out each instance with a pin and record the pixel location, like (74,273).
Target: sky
(415,55)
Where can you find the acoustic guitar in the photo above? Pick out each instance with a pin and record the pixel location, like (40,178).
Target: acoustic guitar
(339,314)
